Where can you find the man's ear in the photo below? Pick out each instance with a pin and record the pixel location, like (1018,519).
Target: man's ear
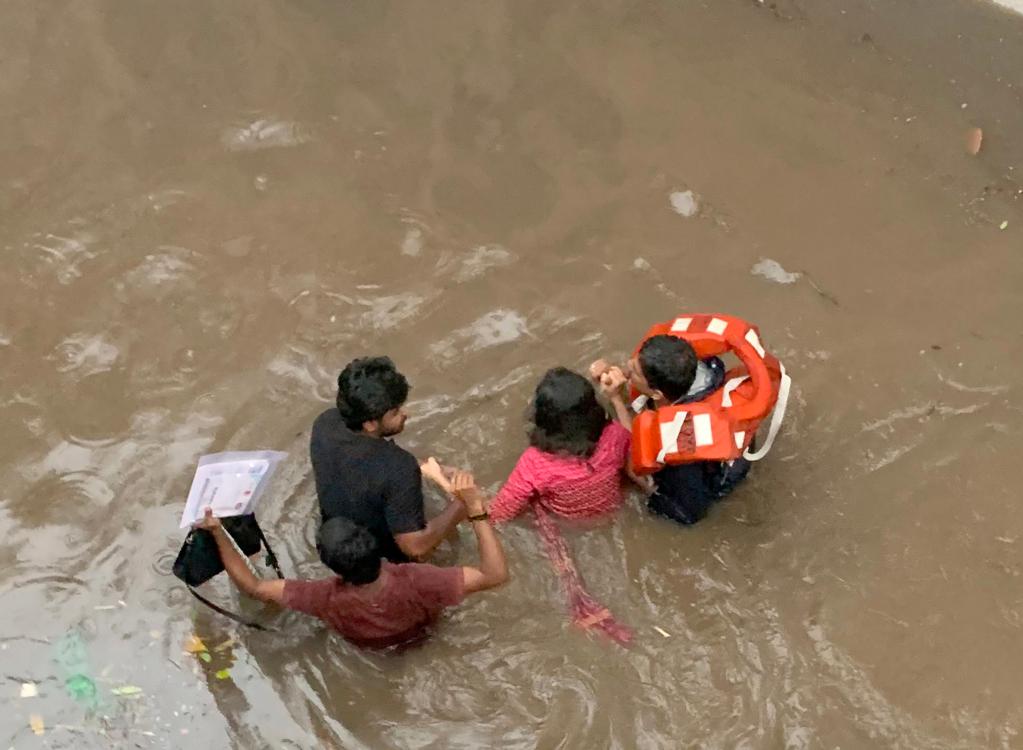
(371,426)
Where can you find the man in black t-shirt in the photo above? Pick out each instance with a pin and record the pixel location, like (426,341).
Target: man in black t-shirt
(363,476)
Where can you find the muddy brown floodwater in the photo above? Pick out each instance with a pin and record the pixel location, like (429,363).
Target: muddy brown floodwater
(206,209)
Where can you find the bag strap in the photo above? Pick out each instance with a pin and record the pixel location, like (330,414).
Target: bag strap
(228,614)
(271,560)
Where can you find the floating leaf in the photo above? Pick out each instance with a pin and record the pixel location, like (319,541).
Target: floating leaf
(194,645)
(36,722)
(223,674)
(205,656)
(127,690)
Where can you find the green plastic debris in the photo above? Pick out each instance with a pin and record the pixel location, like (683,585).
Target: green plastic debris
(73,658)
(81,688)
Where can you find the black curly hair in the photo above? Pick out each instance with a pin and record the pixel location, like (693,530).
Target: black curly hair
(567,418)
(349,550)
(368,388)
(668,364)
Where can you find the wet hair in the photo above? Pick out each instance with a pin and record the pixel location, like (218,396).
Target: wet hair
(566,416)
(368,388)
(668,364)
(349,550)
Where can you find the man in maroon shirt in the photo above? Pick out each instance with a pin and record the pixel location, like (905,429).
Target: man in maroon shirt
(371,602)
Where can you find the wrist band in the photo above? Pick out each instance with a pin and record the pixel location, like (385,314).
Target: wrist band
(481,517)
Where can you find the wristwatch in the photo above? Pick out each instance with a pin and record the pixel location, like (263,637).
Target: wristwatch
(480,516)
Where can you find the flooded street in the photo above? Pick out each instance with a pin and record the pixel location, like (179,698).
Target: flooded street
(207,209)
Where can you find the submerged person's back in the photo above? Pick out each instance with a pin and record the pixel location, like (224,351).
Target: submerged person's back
(398,607)
(573,468)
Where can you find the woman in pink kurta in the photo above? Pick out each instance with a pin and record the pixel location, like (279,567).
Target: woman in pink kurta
(573,468)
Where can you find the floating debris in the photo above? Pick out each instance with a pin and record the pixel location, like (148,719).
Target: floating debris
(73,658)
(412,244)
(974,140)
(29,690)
(194,645)
(685,203)
(1004,225)
(772,271)
(223,674)
(38,725)
(264,134)
(126,690)
(662,631)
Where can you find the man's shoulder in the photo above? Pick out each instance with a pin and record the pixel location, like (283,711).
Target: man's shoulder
(328,421)
(400,457)
(417,574)
(436,587)
(309,595)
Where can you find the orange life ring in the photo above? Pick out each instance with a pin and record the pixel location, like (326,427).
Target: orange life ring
(721,426)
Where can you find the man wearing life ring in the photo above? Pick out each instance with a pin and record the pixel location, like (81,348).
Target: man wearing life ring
(665,371)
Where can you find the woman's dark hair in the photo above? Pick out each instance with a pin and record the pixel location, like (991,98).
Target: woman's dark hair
(349,550)
(566,416)
(368,388)
(668,364)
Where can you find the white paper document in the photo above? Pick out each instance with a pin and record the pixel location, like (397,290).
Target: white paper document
(229,483)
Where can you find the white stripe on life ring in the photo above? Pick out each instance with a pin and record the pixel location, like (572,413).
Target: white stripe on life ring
(703,432)
(681,324)
(776,417)
(669,435)
(731,385)
(754,341)
(717,326)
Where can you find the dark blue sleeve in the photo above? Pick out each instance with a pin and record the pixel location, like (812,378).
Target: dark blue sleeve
(682,493)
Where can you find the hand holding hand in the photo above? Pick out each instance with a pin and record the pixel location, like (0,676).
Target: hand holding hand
(463,484)
(433,471)
(598,368)
(611,383)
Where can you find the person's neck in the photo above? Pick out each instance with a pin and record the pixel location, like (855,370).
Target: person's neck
(374,585)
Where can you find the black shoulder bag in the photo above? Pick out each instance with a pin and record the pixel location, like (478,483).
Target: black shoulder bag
(199,559)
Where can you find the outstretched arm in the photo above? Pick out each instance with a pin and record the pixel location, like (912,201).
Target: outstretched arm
(419,544)
(237,569)
(493,569)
